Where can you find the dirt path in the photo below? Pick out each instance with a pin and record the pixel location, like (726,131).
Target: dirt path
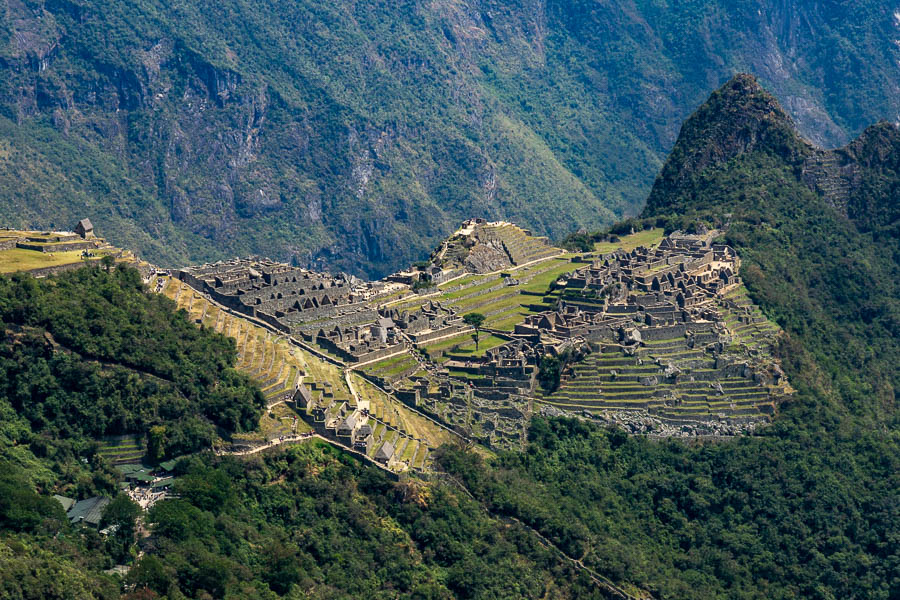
(598,579)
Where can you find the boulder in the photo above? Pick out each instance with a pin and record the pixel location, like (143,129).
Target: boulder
(672,370)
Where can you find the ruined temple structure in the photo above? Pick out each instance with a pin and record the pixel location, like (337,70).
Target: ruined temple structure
(431,321)
(286,297)
(662,332)
(362,343)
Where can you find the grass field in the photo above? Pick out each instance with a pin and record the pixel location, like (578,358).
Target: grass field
(466,345)
(647,237)
(19,259)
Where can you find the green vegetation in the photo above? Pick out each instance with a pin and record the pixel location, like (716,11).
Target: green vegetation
(75,364)
(463,346)
(797,513)
(475,320)
(315,521)
(603,243)
(362,133)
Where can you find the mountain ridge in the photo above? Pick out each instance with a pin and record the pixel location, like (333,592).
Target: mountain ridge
(741,118)
(355,137)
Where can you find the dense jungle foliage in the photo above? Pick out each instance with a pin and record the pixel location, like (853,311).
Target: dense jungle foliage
(306,522)
(806,508)
(357,134)
(89,354)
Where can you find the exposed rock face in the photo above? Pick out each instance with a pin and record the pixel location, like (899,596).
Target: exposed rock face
(485,258)
(210,132)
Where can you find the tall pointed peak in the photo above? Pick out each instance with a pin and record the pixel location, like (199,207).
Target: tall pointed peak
(744,93)
(738,118)
(735,119)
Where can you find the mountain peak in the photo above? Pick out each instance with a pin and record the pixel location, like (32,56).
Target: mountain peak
(738,118)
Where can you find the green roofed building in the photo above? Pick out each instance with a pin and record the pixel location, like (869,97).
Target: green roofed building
(168,465)
(67,503)
(136,473)
(88,511)
(163,483)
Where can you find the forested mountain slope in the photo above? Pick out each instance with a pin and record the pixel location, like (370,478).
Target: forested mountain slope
(806,508)
(356,134)
(818,230)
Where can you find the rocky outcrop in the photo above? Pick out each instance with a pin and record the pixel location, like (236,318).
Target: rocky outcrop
(742,119)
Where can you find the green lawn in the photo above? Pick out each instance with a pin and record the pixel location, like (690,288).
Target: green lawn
(19,259)
(400,367)
(647,237)
(467,304)
(387,363)
(484,344)
(461,281)
(492,281)
(508,321)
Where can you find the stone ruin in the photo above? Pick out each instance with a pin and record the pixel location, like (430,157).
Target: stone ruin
(657,320)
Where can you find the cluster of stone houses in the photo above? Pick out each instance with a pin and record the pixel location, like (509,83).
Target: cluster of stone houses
(351,426)
(362,343)
(646,303)
(291,299)
(671,287)
(383,337)
(433,320)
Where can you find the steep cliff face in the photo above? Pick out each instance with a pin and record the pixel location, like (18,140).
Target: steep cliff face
(355,135)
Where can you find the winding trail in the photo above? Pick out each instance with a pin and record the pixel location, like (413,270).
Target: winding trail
(598,579)
(300,439)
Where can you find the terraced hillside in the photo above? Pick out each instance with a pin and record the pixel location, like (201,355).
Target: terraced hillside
(275,365)
(704,361)
(480,247)
(610,381)
(279,367)
(267,358)
(413,436)
(690,372)
(686,382)
(121,450)
(504,297)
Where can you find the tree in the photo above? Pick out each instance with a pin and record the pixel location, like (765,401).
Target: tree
(476,320)
(549,373)
(156,442)
(121,514)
